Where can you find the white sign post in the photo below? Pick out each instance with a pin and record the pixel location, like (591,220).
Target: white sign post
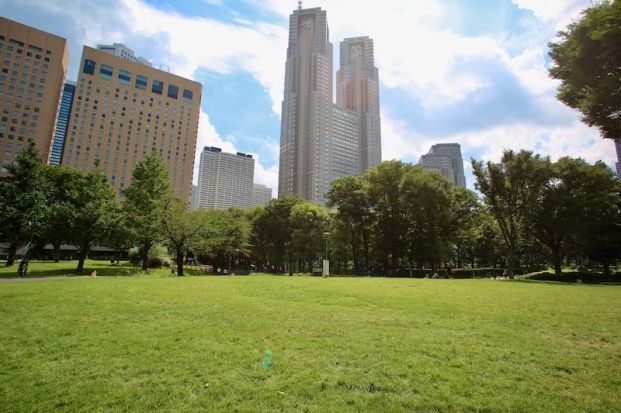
(326,268)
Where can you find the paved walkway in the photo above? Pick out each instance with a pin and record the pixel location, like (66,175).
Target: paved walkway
(33,279)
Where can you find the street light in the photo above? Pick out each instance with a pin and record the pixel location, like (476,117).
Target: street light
(326,263)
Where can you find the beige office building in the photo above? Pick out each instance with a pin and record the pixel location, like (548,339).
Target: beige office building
(123,111)
(33,70)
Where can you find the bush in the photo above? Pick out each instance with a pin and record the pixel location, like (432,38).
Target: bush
(158,256)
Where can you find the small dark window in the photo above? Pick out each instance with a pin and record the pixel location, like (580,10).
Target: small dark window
(105,71)
(124,77)
(187,95)
(89,67)
(173,91)
(141,82)
(157,87)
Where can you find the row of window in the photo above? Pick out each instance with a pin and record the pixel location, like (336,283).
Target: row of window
(124,77)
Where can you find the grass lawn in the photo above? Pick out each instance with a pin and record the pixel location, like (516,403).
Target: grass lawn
(338,344)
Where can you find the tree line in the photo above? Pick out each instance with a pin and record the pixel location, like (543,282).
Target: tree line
(394,219)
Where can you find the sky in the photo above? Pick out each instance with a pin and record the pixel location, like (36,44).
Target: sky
(472,72)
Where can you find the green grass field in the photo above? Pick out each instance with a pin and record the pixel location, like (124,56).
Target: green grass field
(339,344)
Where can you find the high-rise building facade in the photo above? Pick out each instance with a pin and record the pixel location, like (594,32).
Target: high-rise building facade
(321,141)
(261,195)
(32,73)
(357,89)
(225,179)
(62,123)
(123,111)
(446,159)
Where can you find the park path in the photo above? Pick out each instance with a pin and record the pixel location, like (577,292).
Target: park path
(5,280)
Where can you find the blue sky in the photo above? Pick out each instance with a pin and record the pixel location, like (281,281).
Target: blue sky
(467,71)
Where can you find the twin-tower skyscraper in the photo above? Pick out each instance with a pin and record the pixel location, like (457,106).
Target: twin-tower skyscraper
(321,141)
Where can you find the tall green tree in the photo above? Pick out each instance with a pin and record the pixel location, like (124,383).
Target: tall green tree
(466,218)
(271,230)
(350,196)
(510,189)
(309,224)
(385,183)
(428,206)
(146,198)
(183,228)
(23,194)
(94,212)
(587,61)
(224,236)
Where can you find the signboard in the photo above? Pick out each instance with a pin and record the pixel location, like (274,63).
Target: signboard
(326,268)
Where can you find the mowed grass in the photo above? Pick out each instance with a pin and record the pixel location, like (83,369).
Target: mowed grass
(338,344)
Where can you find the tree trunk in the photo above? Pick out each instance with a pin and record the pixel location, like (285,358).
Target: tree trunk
(10,259)
(144,255)
(180,257)
(557,263)
(81,258)
(57,251)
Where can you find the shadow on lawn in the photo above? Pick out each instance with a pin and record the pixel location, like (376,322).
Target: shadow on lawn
(39,269)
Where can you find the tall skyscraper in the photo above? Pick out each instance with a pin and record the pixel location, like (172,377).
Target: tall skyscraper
(225,179)
(34,67)
(62,123)
(123,111)
(618,164)
(446,159)
(357,89)
(319,140)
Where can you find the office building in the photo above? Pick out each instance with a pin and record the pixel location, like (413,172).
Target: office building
(123,111)
(62,123)
(120,50)
(357,89)
(261,195)
(194,198)
(32,73)
(321,141)
(446,159)
(225,179)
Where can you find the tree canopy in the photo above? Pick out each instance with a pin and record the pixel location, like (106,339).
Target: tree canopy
(587,60)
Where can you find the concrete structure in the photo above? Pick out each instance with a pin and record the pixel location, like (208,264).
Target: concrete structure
(225,179)
(446,159)
(321,141)
(124,111)
(120,50)
(32,73)
(618,164)
(62,124)
(261,195)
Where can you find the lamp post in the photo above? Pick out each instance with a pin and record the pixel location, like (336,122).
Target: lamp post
(326,262)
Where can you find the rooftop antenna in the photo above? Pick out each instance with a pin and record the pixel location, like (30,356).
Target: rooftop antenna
(299,4)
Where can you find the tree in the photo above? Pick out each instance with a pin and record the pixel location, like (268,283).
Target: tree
(350,195)
(309,223)
(225,236)
(182,228)
(588,62)
(510,188)
(385,182)
(57,220)
(146,198)
(576,200)
(23,195)
(466,218)
(271,229)
(94,212)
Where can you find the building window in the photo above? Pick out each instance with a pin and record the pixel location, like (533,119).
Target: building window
(141,82)
(105,71)
(173,91)
(158,87)
(89,67)
(124,77)
(187,95)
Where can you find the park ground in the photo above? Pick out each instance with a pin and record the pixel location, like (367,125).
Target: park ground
(198,343)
